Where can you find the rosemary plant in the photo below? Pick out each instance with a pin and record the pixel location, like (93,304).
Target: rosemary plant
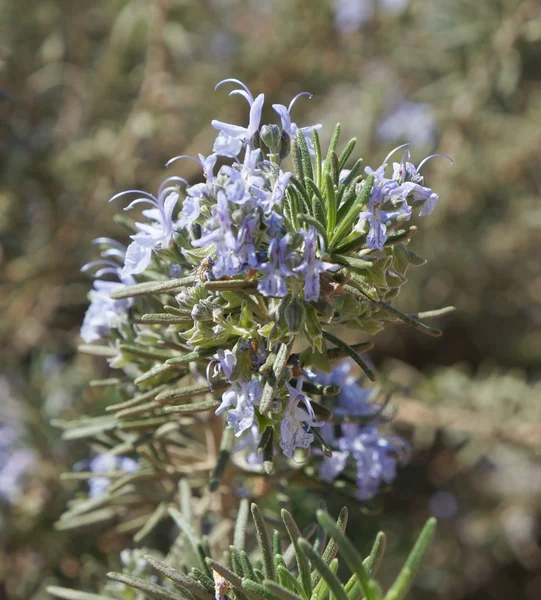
(225,320)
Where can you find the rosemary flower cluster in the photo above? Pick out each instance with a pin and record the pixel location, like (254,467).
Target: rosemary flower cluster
(231,294)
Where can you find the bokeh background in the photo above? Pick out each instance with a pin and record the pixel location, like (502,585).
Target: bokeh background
(96,96)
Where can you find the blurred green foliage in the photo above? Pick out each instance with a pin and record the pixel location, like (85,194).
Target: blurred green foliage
(96,96)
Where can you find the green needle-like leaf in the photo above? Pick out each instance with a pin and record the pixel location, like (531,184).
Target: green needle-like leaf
(239,536)
(332,208)
(265,545)
(67,594)
(317,157)
(152,287)
(306,159)
(346,153)
(280,592)
(405,578)
(335,587)
(182,580)
(344,226)
(351,353)
(302,563)
(153,590)
(348,551)
(373,561)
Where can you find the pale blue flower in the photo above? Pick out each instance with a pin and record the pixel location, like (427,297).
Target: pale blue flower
(284,112)
(376,457)
(155,235)
(15,463)
(413,121)
(103,464)
(311,267)
(277,268)
(243,396)
(232,138)
(104,313)
(297,420)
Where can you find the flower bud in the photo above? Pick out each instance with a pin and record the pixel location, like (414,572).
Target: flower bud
(271,137)
(285,146)
(295,315)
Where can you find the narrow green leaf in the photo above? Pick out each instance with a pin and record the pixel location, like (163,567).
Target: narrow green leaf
(351,261)
(305,203)
(337,353)
(351,353)
(247,566)
(361,201)
(412,322)
(280,592)
(153,520)
(239,536)
(335,587)
(335,171)
(193,586)
(288,581)
(317,157)
(302,562)
(345,201)
(139,399)
(319,204)
(226,446)
(322,589)
(226,573)
(258,590)
(306,159)
(94,350)
(332,207)
(346,153)
(153,590)
(350,177)
(189,391)
(165,319)
(431,314)
(152,287)
(236,562)
(189,357)
(190,536)
(373,561)
(400,587)
(203,579)
(264,542)
(296,159)
(68,594)
(327,170)
(351,556)
(195,407)
(151,373)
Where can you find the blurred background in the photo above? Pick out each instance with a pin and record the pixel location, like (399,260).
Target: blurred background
(95,97)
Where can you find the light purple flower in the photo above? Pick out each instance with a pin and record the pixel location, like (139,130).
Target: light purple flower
(411,121)
(15,465)
(284,112)
(311,266)
(155,235)
(244,396)
(277,268)
(375,455)
(298,417)
(104,313)
(232,138)
(104,464)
